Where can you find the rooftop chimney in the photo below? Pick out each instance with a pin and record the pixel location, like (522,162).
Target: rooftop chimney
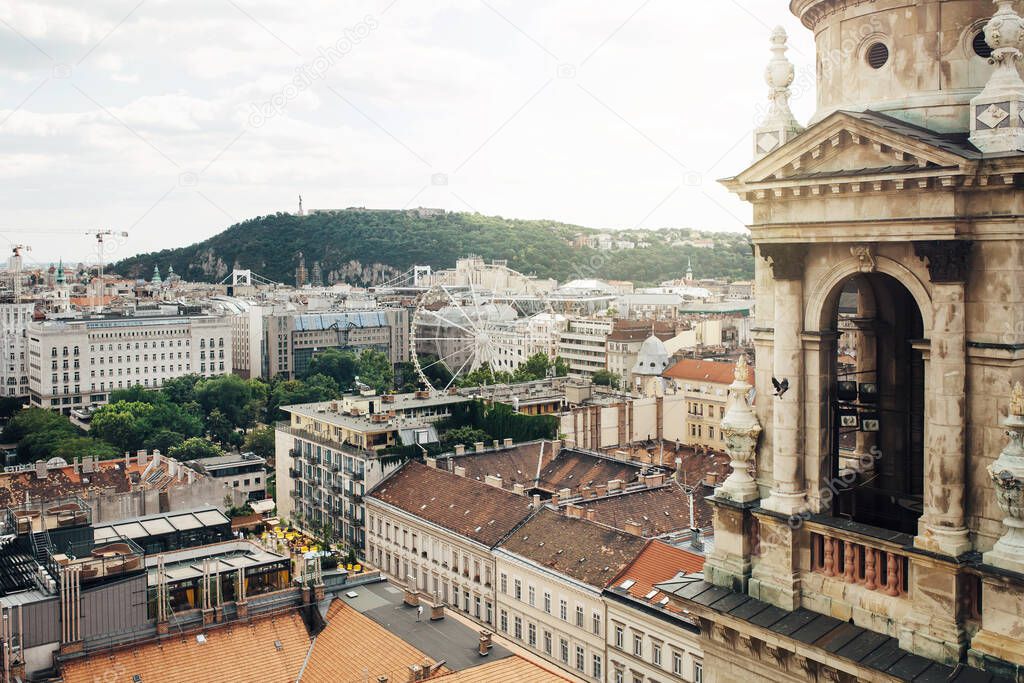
(556,446)
(519,489)
(460,449)
(41,472)
(574,511)
(632,528)
(536,501)
(591,515)
(493,480)
(496,444)
(554,500)
(508,443)
(88,464)
(478,446)
(679,471)
(431,462)
(460,471)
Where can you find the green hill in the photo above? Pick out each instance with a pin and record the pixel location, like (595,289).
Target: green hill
(365,247)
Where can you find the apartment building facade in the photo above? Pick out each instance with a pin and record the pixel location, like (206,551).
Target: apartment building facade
(292,339)
(329,454)
(14,320)
(649,639)
(551,573)
(77,363)
(583,345)
(704,387)
(434,532)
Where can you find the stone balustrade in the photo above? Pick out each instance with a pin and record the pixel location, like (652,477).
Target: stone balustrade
(854,562)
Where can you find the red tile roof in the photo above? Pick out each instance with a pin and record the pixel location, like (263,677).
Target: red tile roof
(694,370)
(658,511)
(572,469)
(275,647)
(470,508)
(656,563)
(520,464)
(585,551)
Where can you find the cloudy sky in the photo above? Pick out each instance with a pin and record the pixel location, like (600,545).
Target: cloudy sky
(172,119)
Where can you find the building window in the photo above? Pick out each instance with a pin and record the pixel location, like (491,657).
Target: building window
(563,650)
(547,642)
(504,583)
(596,623)
(579,616)
(531,594)
(547,602)
(619,637)
(638,645)
(580,659)
(517,624)
(518,589)
(698,672)
(563,610)
(656,654)
(503,621)
(531,635)
(677,663)
(597,667)
(619,676)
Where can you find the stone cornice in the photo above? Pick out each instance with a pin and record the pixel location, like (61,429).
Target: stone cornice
(810,12)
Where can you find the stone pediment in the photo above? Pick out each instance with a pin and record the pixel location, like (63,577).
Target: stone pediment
(858,147)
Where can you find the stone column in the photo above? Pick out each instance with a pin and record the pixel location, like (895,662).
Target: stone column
(788,495)
(942,528)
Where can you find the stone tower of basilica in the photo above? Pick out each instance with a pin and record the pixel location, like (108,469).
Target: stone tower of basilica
(887,496)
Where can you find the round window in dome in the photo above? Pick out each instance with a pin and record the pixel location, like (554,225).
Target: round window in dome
(877,55)
(981,47)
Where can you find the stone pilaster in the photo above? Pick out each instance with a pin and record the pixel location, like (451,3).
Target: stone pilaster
(942,528)
(729,562)
(774,577)
(788,493)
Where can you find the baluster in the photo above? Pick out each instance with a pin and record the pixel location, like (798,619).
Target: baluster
(850,570)
(892,575)
(829,557)
(869,569)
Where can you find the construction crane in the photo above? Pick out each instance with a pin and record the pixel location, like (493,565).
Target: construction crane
(100,234)
(16,268)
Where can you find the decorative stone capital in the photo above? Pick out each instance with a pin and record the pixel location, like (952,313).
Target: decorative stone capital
(997,113)
(1007,474)
(741,429)
(786,260)
(947,260)
(779,125)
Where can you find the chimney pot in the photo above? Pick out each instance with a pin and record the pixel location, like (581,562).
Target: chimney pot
(591,514)
(496,443)
(460,471)
(518,489)
(478,446)
(536,501)
(460,449)
(508,443)
(431,462)
(554,500)
(632,528)
(41,471)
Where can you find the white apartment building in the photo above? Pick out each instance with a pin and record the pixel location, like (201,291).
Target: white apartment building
(434,531)
(649,639)
(77,363)
(14,320)
(583,345)
(515,341)
(551,574)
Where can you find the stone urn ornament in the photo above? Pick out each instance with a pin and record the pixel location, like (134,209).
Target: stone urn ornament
(1007,474)
(741,430)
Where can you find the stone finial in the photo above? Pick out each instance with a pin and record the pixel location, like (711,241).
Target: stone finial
(1007,475)
(742,371)
(996,123)
(779,125)
(741,429)
(1017,400)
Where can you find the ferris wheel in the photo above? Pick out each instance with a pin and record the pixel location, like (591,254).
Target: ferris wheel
(457,330)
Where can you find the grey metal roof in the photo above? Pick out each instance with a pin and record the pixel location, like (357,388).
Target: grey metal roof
(866,648)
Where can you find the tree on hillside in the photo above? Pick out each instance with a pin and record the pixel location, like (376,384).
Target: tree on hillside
(375,370)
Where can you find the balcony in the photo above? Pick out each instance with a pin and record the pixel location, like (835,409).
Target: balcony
(295,495)
(294,474)
(357,498)
(294,453)
(60,513)
(858,561)
(357,476)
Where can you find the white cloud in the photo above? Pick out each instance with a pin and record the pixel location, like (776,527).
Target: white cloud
(655,108)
